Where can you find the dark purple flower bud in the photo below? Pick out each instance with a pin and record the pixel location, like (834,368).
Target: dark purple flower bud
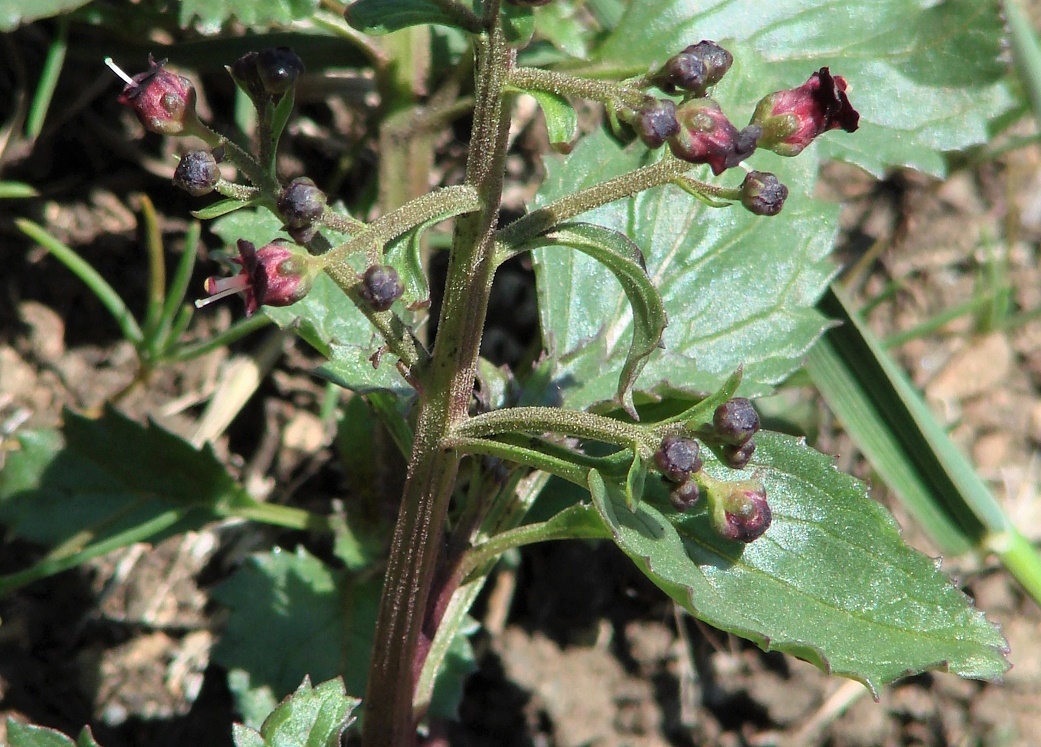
(707,136)
(656,122)
(791,119)
(678,457)
(274,275)
(163,102)
(267,74)
(696,69)
(301,203)
(278,69)
(738,456)
(735,421)
(197,173)
(684,495)
(741,513)
(381,287)
(762,193)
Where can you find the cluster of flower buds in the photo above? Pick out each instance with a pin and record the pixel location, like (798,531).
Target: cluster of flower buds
(696,129)
(277,274)
(734,424)
(679,459)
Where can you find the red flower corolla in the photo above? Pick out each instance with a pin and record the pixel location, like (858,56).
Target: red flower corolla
(163,102)
(274,275)
(791,119)
(707,136)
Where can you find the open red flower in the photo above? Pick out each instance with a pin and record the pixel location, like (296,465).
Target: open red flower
(274,275)
(163,102)
(791,119)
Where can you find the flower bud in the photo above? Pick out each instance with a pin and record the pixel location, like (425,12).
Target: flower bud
(275,275)
(738,456)
(301,203)
(735,421)
(656,122)
(278,68)
(762,193)
(163,102)
(740,511)
(678,457)
(381,287)
(197,173)
(267,74)
(684,495)
(707,136)
(694,70)
(791,119)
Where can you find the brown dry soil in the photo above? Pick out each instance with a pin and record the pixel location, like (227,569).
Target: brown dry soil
(578,649)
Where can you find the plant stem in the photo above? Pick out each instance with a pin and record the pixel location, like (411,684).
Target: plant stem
(539,221)
(562,84)
(446,386)
(536,420)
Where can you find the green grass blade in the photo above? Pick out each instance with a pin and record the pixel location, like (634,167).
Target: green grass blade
(178,286)
(81,269)
(1026,53)
(890,422)
(52,66)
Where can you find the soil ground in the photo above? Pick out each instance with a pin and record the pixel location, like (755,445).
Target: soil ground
(577,648)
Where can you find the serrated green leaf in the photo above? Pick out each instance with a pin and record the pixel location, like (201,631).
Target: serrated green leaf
(926,79)
(13,13)
(310,717)
(211,15)
(561,24)
(111,475)
(646,314)
(831,581)
(291,616)
(31,735)
(561,119)
(742,286)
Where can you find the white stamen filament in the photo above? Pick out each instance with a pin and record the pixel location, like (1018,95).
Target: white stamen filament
(219,288)
(119,71)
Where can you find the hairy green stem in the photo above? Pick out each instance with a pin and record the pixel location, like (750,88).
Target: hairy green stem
(539,221)
(445,388)
(537,420)
(562,84)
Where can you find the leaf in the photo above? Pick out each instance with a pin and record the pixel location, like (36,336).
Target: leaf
(739,287)
(646,314)
(211,15)
(831,581)
(290,617)
(222,207)
(561,119)
(111,475)
(926,78)
(385,16)
(561,24)
(13,13)
(31,735)
(310,717)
